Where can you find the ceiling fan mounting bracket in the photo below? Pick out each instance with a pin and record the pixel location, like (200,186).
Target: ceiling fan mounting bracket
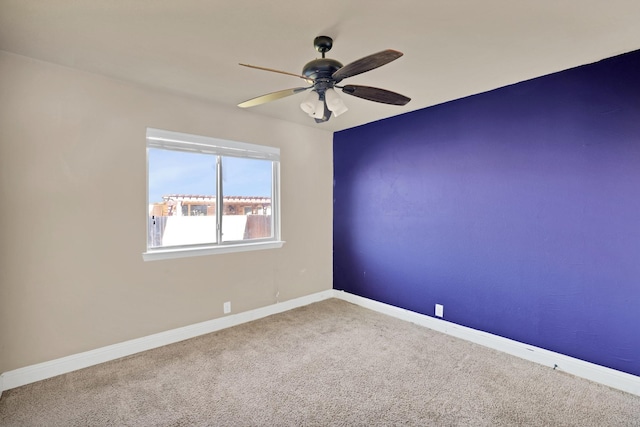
(323,44)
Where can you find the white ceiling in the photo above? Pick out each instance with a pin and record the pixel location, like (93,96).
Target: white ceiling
(192,47)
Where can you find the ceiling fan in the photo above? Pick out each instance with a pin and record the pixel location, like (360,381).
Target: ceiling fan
(324,74)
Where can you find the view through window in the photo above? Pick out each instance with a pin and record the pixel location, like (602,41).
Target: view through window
(207,192)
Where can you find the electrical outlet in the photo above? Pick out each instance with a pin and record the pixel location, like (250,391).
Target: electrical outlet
(439,310)
(227,307)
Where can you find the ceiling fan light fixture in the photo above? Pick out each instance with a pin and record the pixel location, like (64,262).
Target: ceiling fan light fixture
(335,102)
(310,102)
(318,111)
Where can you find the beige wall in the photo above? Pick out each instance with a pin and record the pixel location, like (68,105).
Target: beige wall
(72,144)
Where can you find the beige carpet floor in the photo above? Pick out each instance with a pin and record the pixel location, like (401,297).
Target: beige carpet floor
(330,363)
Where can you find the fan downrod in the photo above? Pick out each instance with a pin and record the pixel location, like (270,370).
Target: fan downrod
(323,44)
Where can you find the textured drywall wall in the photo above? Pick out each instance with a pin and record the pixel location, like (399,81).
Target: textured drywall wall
(72,228)
(517,209)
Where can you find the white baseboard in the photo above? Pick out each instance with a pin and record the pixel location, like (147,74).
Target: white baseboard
(41,371)
(580,368)
(577,367)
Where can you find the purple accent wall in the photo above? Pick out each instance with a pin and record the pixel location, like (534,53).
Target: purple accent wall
(518,209)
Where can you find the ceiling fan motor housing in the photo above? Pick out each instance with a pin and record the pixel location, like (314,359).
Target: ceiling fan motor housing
(321,68)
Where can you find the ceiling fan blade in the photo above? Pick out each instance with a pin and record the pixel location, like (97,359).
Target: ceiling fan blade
(272,97)
(278,71)
(375,94)
(366,64)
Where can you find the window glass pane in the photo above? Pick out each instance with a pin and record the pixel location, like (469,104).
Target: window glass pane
(246,187)
(182,189)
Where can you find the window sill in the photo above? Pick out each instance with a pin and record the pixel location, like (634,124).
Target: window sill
(159,254)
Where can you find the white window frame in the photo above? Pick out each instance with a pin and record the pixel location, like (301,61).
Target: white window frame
(168,140)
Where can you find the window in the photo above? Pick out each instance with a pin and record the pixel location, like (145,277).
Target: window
(206,195)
